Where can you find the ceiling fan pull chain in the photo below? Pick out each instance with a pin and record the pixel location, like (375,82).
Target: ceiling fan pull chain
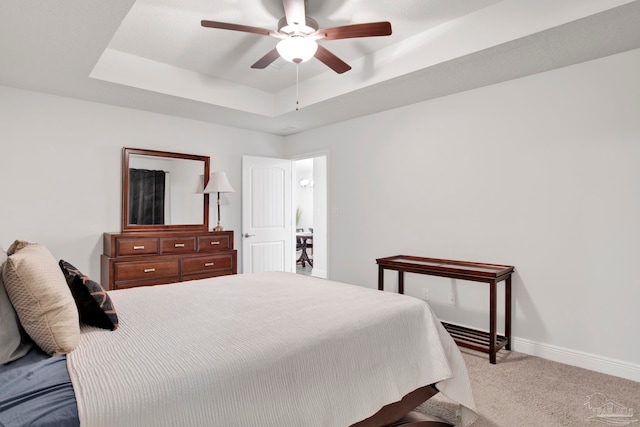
(297,92)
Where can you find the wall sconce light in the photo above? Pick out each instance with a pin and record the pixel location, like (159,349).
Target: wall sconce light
(306,183)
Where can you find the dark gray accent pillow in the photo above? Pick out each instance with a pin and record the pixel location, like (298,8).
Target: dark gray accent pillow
(94,305)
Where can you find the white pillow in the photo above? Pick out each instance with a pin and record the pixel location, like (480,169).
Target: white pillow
(14,343)
(41,297)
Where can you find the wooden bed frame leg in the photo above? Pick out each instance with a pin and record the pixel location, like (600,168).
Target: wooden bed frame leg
(415,419)
(392,415)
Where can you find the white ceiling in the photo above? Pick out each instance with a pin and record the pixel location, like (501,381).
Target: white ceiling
(154,55)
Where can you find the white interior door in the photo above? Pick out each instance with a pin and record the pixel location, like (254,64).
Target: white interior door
(267,226)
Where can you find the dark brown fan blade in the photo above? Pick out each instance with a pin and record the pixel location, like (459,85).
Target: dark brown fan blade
(331,61)
(370,29)
(266,60)
(237,27)
(294,12)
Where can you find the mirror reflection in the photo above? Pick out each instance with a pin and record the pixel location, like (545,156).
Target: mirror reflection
(163,191)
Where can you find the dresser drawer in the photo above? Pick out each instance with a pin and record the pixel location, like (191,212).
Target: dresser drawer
(133,247)
(214,243)
(142,270)
(177,245)
(204,264)
(160,257)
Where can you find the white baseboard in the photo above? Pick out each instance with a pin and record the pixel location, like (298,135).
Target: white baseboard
(319,273)
(580,359)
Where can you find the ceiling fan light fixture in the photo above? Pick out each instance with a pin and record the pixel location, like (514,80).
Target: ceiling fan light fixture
(298,35)
(297,49)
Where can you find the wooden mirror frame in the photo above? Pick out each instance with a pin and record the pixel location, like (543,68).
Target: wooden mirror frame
(126,227)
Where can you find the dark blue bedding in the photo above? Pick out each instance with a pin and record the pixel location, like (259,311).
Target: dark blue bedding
(36,391)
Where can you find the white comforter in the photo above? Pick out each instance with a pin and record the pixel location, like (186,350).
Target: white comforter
(271,349)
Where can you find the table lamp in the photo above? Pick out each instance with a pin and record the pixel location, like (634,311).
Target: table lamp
(218,183)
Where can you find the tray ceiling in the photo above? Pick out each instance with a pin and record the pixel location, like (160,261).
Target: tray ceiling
(154,55)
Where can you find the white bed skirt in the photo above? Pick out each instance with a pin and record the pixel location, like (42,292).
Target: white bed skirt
(269,349)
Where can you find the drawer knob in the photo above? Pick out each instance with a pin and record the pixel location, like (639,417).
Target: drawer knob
(138,248)
(149,270)
(215,243)
(178,245)
(208,264)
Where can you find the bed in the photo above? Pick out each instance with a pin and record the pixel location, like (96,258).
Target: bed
(268,349)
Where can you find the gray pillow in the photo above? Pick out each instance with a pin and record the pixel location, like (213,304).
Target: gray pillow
(14,342)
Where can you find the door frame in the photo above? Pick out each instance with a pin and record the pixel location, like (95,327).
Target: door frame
(323,273)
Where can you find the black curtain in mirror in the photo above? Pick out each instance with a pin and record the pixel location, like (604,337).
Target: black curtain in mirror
(146,196)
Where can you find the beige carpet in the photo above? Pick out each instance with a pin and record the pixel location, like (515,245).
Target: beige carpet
(522,390)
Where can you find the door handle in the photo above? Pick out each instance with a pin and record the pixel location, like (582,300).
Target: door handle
(248,235)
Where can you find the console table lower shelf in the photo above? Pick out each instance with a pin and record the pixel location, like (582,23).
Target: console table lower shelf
(474,339)
(491,274)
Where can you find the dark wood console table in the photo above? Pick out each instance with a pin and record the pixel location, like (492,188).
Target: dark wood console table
(473,271)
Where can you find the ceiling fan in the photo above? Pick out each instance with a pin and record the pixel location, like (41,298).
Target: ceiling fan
(298,35)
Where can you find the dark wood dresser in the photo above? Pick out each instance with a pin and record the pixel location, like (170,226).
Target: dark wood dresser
(140,259)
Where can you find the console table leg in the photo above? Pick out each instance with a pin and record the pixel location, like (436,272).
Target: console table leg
(507,315)
(401,282)
(380,278)
(492,321)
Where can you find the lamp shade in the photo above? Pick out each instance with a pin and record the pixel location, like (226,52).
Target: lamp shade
(218,183)
(297,49)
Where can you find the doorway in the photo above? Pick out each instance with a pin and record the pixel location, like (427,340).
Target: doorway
(310,206)
(269,204)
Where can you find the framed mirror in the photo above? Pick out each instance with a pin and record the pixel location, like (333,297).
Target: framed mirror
(162,191)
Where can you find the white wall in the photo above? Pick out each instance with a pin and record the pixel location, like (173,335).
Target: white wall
(60,166)
(542,173)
